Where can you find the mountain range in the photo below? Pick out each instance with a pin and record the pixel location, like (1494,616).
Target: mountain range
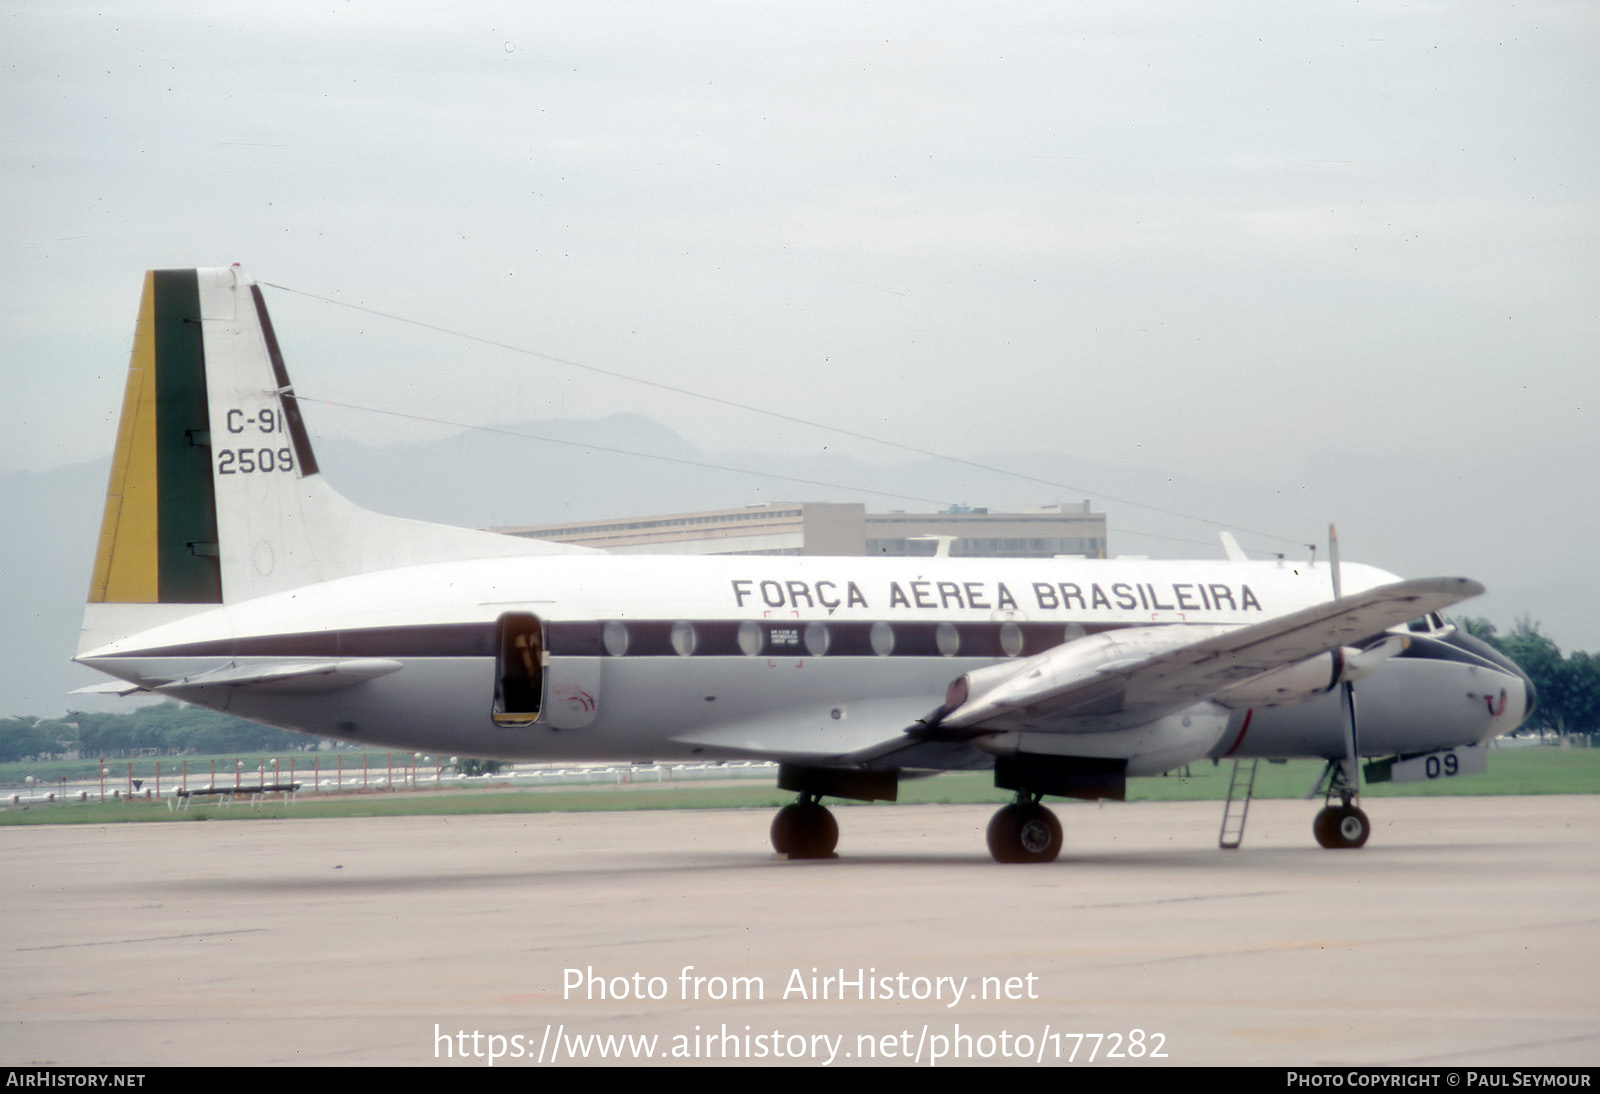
(1447,510)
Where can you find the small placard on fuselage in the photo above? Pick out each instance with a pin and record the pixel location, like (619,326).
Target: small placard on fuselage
(1446,764)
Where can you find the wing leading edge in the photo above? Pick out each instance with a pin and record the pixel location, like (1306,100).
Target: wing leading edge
(1126,678)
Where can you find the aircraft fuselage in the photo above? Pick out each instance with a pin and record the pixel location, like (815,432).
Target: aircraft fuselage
(670,657)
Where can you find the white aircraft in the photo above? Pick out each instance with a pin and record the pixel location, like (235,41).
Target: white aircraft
(230,575)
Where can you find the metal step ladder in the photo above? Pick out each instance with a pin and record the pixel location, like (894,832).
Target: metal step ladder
(1237,808)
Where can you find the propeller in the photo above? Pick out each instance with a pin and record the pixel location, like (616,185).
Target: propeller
(1333,559)
(1347,689)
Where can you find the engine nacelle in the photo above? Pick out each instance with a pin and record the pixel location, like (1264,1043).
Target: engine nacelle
(1010,687)
(1290,684)
(1312,677)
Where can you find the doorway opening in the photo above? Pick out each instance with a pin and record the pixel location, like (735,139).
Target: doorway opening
(520,661)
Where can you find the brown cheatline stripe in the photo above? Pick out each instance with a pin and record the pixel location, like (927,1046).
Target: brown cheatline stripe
(646,638)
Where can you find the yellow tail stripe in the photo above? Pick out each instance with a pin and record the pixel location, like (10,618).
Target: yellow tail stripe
(125,566)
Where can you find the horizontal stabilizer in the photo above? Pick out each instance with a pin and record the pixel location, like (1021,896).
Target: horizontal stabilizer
(110,687)
(293,676)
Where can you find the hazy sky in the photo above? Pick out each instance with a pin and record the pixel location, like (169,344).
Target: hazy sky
(1213,238)
(1347,251)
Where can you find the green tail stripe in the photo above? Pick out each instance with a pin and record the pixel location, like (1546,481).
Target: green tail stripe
(189,571)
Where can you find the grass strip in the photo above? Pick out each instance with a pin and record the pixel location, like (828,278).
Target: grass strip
(1512,771)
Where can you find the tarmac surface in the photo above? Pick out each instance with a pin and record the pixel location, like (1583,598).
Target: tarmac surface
(1464,934)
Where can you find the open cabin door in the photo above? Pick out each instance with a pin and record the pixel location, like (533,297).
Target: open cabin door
(519,669)
(531,687)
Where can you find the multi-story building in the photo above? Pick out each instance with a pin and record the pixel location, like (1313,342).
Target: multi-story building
(842,528)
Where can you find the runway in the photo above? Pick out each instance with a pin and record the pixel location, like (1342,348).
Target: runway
(1464,934)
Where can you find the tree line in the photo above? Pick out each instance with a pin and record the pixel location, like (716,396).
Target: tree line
(170,728)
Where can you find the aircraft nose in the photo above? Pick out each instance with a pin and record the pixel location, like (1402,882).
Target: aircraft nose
(1530,694)
(1530,697)
(1517,703)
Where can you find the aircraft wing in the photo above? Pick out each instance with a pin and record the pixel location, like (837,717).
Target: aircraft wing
(1056,691)
(1110,681)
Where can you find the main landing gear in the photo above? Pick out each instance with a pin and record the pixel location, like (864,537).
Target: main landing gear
(805,829)
(1025,831)
(1344,825)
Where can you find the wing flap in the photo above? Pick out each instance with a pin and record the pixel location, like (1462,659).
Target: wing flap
(813,734)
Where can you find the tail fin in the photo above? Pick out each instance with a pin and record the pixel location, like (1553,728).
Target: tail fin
(215,496)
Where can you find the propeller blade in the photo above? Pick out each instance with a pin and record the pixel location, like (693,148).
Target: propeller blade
(1359,663)
(1333,559)
(1352,742)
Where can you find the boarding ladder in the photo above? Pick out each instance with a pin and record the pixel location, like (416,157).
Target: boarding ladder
(1240,786)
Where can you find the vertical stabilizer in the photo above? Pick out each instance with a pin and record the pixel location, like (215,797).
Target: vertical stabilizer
(158,536)
(215,495)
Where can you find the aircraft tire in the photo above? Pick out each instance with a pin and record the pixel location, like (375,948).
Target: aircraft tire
(783,830)
(1024,833)
(1342,827)
(805,830)
(1323,826)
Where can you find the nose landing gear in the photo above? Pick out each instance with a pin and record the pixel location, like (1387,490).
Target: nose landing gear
(1342,826)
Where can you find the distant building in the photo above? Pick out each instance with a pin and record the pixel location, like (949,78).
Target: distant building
(841,528)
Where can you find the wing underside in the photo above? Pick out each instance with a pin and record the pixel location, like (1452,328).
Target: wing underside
(1117,681)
